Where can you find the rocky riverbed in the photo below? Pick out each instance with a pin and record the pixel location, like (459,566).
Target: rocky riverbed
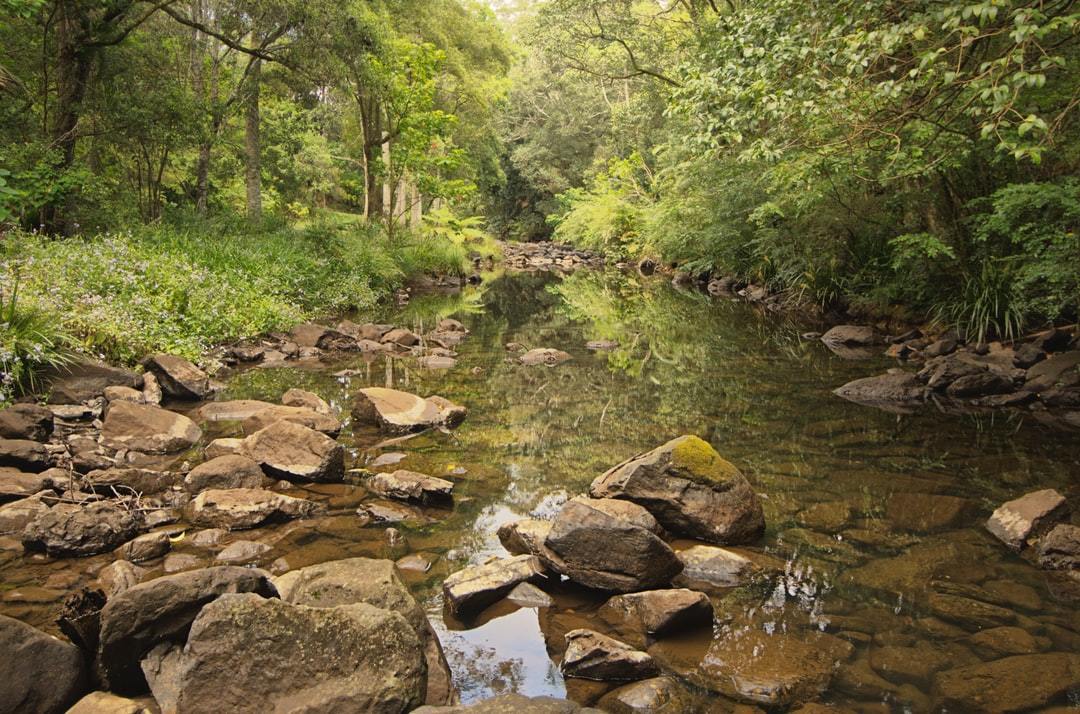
(541,495)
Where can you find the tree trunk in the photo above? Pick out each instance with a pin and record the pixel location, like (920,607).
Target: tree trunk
(371,125)
(252,147)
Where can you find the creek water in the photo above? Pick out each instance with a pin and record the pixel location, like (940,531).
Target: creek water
(877,569)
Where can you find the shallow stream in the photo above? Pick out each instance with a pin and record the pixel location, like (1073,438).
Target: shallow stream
(863,540)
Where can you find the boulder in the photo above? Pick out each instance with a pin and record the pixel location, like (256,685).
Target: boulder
(179,378)
(528,595)
(659,695)
(469,591)
(308,334)
(606,552)
(1060,548)
(851,336)
(335,341)
(231,410)
(657,613)
(295,415)
(242,551)
(118,576)
(161,610)
(105,703)
(377,583)
(979,385)
(149,429)
(124,394)
(145,547)
(243,508)
(403,412)
(84,381)
(126,480)
(226,472)
(24,454)
(450,325)
(402,337)
(224,447)
(1046,374)
(296,453)
(1015,521)
(41,674)
(249,654)
(1011,684)
(15,484)
(712,566)
(526,537)
(590,655)
(411,486)
(545,356)
(893,387)
(939,348)
(151,390)
(690,489)
(308,400)
(1028,355)
(15,516)
(26,421)
(67,530)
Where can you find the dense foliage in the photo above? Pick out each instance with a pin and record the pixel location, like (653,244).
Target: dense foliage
(913,154)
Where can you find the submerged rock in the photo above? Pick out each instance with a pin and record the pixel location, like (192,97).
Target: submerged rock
(590,655)
(149,429)
(658,695)
(515,703)
(1015,521)
(472,589)
(690,489)
(249,654)
(1060,548)
(160,611)
(398,411)
(67,530)
(1011,684)
(605,548)
(242,508)
(545,356)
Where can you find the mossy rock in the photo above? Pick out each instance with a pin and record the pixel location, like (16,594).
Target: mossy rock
(696,459)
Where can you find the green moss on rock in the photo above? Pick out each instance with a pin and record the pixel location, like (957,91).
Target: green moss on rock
(698,460)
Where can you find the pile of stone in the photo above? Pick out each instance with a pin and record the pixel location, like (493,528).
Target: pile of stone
(1043,372)
(546,256)
(434,348)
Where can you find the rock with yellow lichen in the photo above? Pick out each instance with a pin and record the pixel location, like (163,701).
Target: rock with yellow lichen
(691,490)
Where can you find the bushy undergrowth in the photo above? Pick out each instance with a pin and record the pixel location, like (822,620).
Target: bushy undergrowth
(184,286)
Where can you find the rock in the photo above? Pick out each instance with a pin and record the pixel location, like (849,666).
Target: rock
(515,703)
(714,566)
(911,665)
(1046,374)
(402,337)
(526,536)
(602,551)
(224,447)
(436,362)
(1011,684)
(161,610)
(403,412)
(296,453)
(690,489)
(124,480)
(1060,548)
(84,381)
(307,400)
(601,345)
(124,394)
(118,576)
(387,512)
(941,348)
(377,583)
(180,562)
(242,508)
(151,390)
(242,551)
(15,516)
(24,454)
(411,486)
(249,654)
(225,472)
(295,415)
(105,703)
(149,429)
(545,356)
(42,675)
(980,384)
(15,484)
(590,655)
(892,387)
(969,613)
(659,695)
(179,378)
(927,512)
(450,325)
(231,410)
(67,530)
(658,613)
(146,547)
(308,334)
(335,341)
(1028,355)
(388,459)
(1004,641)
(1015,521)
(827,517)
(528,595)
(850,336)
(26,421)
(472,589)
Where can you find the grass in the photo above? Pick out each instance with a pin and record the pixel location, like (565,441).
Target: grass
(187,285)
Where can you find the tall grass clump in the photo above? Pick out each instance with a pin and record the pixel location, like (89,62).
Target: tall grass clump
(30,340)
